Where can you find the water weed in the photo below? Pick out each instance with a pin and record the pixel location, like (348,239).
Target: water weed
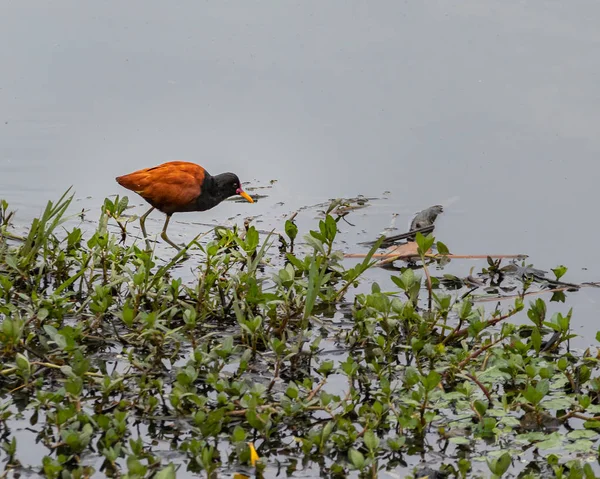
(280,354)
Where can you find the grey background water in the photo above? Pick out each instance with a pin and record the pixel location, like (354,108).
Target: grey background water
(490,106)
(494,102)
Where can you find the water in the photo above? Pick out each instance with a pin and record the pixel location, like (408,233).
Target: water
(494,103)
(490,107)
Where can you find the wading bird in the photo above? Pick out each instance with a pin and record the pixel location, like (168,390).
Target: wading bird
(180,186)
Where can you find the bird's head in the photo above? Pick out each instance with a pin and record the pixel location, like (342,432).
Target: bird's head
(228,184)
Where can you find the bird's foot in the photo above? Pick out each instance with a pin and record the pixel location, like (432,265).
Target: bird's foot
(168,240)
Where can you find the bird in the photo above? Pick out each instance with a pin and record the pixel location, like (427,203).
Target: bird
(180,186)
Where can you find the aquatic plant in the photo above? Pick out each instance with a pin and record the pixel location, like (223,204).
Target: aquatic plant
(118,361)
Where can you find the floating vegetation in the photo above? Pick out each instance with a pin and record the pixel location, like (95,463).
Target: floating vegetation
(278,357)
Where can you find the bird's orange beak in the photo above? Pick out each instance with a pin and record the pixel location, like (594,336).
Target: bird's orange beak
(244,195)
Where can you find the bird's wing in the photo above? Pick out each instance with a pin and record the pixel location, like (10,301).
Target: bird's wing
(169,187)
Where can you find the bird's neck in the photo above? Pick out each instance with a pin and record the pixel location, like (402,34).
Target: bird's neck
(210,196)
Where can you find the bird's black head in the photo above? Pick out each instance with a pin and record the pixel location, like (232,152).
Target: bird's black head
(228,184)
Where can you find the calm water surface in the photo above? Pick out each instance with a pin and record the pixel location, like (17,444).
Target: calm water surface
(490,107)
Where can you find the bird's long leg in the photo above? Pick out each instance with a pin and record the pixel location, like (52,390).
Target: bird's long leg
(164,236)
(143,225)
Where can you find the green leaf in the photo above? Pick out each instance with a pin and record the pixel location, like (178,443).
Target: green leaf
(166,473)
(460,440)
(326,367)
(431,380)
(252,240)
(411,377)
(424,243)
(135,467)
(22,363)
(543,387)
(371,441)
(299,265)
(292,391)
(582,445)
(563,363)
(356,458)
(396,443)
(500,466)
(557,403)
(291,229)
(589,471)
(530,437)
(559,271)
(330,228)
(510,421)
(593,409)
(315,243)
(442,248)
(581,434)
(239,434)
(480,407)
(554,441)
(533,395)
